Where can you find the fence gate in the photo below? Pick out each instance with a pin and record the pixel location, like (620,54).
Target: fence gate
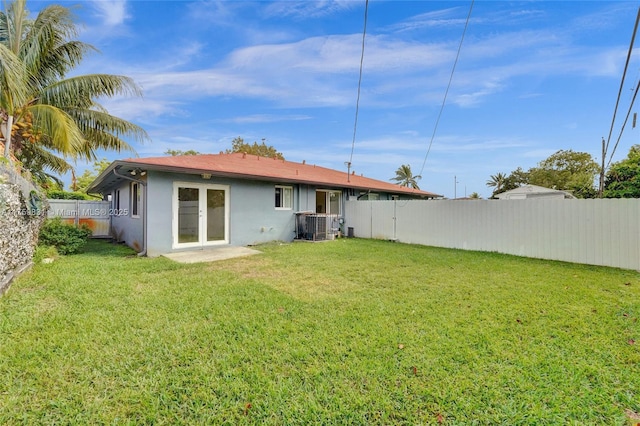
(94,214)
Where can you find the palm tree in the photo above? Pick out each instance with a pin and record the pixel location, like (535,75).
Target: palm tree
(497,181)
(405,177)
(46,118)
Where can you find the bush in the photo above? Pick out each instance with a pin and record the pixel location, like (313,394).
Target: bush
(66,238)
(44,252)
(66,195)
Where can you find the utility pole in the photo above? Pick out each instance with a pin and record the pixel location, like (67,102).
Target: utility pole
(601,185)
(455,187)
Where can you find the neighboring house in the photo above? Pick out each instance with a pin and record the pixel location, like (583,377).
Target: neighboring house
(534,191)
(165,204)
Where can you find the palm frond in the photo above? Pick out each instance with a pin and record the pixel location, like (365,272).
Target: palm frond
(14,91)
(81,90)
(60,128)
(54,64)
(35,157)
(105,141)
(102,122)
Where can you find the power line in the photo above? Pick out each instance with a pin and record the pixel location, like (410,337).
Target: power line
(635,93)
(355,124)
(624,73)
(446,93)
(605,146)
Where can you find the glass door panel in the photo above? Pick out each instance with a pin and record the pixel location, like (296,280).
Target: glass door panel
(188,215)
(334,202)
(216,215)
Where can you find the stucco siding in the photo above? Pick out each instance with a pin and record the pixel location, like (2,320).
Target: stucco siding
(251,211)
(125,227)
(253,217)
(159,214)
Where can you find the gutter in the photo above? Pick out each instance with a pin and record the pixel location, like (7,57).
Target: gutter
(144,208)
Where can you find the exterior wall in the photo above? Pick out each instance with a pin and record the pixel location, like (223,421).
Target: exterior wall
(596,232)
(253,218)
(125,227)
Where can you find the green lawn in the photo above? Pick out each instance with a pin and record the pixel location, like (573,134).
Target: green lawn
(343,332)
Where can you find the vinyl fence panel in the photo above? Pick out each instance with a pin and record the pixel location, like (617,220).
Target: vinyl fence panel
(94,214)
(596,232)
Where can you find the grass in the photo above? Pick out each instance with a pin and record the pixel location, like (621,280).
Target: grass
(344,332)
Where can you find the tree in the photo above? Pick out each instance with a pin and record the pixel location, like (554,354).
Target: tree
(262,150)
(404,177)
(496,181)
(623,178)
(176,152)
(82,183)
(568,171)
(45,117)
(516,179)
(475,196)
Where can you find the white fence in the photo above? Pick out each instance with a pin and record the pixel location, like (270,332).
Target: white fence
(596,232)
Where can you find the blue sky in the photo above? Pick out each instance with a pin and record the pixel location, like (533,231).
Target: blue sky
(532,78)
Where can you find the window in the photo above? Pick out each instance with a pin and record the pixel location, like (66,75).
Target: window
(284,197)
(116,199)
(328,202)
(135,199)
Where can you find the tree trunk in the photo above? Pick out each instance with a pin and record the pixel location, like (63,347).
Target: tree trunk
(6,130)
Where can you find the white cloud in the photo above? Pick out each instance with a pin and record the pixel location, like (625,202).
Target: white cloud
(309,9)
(323,71)
(112,12)
(267,118)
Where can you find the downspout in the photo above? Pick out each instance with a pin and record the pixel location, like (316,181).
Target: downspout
(144,208)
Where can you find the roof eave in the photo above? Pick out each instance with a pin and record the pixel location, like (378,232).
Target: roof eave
(98,185)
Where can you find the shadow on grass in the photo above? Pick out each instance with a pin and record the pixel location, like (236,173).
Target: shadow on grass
(106,248)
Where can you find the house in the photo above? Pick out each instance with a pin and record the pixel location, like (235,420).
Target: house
(167,204)
(534,191)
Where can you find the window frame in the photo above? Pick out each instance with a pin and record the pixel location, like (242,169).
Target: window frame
(136,198)
(284,189)
(116,199)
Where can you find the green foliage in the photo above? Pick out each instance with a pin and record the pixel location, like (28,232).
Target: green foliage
(56,194)
(568,171)
(82,183)
(502,183)
(497,182)
(262,150)
(45,252)
(176,152)
(564,170)
(623,178)
(52,117)
(65,237)
(404,177)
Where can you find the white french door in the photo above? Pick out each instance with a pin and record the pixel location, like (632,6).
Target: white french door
(200,214)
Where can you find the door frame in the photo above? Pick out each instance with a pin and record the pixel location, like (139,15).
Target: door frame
(202,225)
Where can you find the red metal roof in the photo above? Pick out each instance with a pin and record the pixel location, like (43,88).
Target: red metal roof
(252,166)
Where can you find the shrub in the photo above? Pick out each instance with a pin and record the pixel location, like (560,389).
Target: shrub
(66,238)
(44,252)
(66,195)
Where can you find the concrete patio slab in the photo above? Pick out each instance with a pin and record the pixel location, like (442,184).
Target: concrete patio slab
(210,254)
